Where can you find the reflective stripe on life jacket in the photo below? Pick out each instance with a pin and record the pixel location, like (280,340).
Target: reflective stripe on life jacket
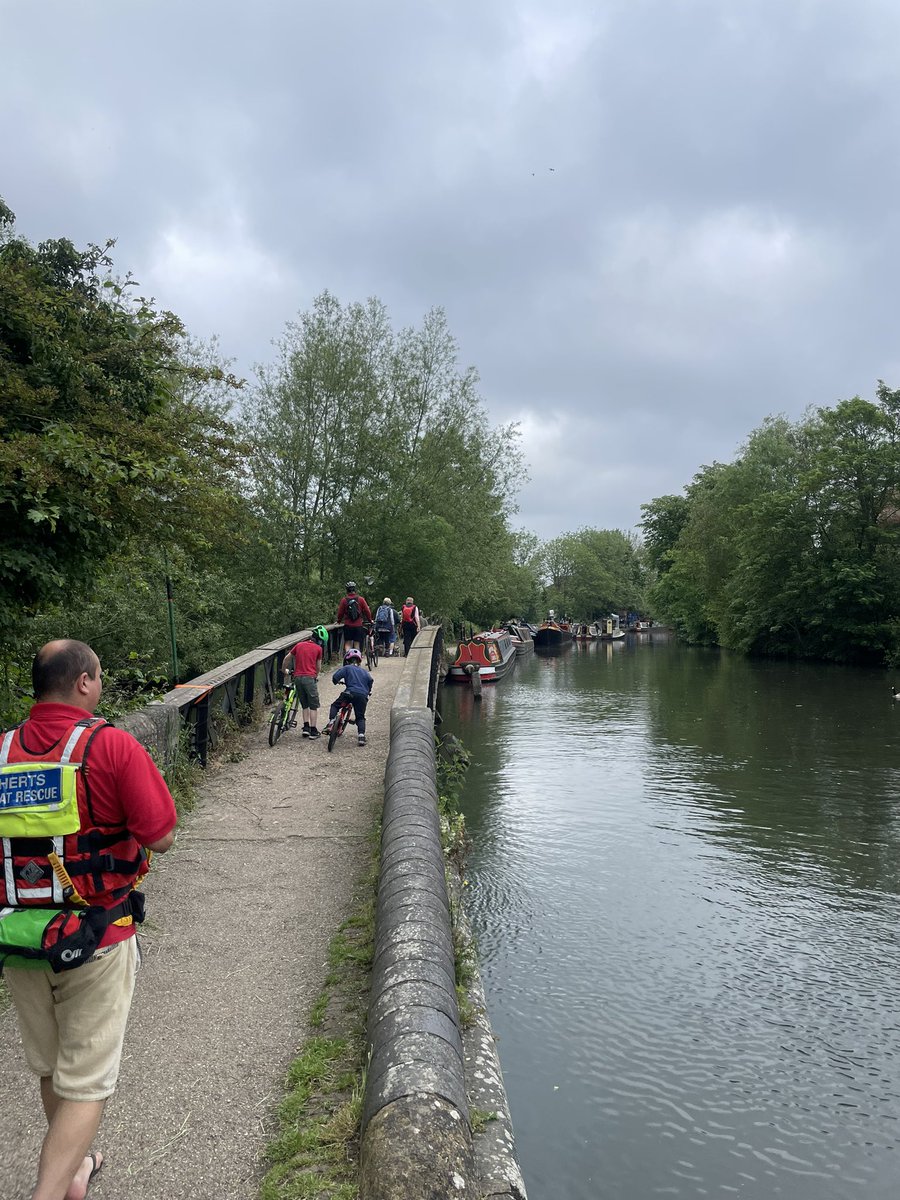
(76,861)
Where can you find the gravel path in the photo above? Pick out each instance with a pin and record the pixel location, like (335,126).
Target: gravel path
(241,912)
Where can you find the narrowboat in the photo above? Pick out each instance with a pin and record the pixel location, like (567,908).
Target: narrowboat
(586,633)
(487,655)
(522,637)
(552,633)
(637,626)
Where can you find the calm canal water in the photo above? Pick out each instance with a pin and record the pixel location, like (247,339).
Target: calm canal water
(685,884)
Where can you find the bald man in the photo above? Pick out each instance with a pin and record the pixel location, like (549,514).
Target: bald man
(73,1022)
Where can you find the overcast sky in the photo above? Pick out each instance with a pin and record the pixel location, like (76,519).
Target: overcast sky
(651,222)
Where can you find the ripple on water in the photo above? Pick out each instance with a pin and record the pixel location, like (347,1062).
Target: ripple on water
(690,950)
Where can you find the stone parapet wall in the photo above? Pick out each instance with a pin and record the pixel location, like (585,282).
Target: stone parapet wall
(416,1134)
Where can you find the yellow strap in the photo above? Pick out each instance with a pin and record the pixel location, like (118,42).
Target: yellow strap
(70,891)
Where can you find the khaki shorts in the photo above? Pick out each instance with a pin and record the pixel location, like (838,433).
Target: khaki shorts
(307,690)
(73,1024)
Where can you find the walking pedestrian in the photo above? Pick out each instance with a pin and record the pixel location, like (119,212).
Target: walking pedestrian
(386,625)
(75,854)
(305,662)
(411,623)
(352,612)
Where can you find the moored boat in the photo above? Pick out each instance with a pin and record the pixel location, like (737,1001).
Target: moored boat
(522,637)
(610,629)
(586,633)
(550,633)
(487,655)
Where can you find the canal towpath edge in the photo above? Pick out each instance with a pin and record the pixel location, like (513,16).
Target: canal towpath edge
(240,915)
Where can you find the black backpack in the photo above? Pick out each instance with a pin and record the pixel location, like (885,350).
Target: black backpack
(353,608)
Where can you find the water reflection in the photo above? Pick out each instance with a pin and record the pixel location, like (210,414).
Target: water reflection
(686,893)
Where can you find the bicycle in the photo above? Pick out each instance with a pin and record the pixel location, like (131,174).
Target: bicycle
(285,715)
(343,718)
(371,647)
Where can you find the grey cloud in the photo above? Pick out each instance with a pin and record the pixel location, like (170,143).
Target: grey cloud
(717,239)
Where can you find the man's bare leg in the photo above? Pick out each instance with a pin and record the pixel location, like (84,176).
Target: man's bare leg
(64,1164)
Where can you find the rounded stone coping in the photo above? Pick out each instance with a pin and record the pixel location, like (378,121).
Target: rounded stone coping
(416,1072)
(422,1064)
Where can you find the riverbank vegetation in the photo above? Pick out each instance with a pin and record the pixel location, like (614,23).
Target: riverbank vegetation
(793,548)
(132,461)
(132,458)
(594,572)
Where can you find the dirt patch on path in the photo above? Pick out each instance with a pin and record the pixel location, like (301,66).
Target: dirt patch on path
(241,912)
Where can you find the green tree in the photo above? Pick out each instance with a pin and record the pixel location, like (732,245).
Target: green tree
(102,435)
(375,459)
(593,572)
(793,547)
(662,523)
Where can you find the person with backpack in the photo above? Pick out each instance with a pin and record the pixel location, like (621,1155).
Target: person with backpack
(411,622)
(72,853)
(353,613)
(386,626)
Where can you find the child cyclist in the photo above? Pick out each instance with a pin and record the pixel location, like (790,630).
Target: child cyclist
(358,686)
(305,660)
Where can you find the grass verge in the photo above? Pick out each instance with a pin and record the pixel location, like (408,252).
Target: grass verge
(314,1154)
(452,763)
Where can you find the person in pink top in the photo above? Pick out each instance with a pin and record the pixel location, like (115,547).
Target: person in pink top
(305,661)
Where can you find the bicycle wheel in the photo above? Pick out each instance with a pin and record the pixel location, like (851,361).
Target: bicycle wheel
(276,724)
(339,724)
(371,660)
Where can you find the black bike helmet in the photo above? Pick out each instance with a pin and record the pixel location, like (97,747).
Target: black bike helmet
(350,585)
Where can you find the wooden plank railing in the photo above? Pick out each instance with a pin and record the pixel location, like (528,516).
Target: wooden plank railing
(231,690)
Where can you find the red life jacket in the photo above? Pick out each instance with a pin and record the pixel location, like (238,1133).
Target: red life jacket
(100,863)
(409,613)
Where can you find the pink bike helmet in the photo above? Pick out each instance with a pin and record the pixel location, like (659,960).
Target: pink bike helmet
(352,656)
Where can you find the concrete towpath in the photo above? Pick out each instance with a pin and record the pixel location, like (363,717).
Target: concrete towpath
(240,915)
